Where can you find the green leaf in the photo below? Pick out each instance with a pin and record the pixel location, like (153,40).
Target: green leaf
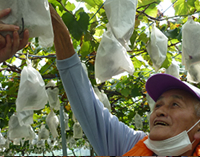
(85,49)
(133,37)
(179,37)
(172,33)
(125,92)
(143,37)
(69,20)
(83,21)
(12,90)
(167,62)
(135,91)
(56,3)
(70,6)
(152,10)
(191,2)
(45,68)
(99,32)
(137,63)
(146,2)
(76,27)
(181,7)
(92,3)
(197,5)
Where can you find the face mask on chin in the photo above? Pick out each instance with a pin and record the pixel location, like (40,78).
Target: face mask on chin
(175,145)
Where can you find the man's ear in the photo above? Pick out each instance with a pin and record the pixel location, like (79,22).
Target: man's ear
(198,125)
(197,134)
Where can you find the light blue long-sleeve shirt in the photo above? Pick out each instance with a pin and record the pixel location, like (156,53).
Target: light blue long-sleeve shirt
(107,135)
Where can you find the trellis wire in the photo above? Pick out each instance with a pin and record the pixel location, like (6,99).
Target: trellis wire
(49,67)
(158,17)
(97,11)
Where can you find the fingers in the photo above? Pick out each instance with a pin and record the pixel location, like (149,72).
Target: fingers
(17,43)
(4,12)
(15,46)
(8,48)
(5,27)
(24,41)
(2,42)
(5,53)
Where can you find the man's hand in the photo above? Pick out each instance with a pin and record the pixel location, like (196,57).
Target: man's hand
(8,46)
(62,40)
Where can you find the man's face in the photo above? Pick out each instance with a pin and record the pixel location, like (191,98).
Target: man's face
(173,113)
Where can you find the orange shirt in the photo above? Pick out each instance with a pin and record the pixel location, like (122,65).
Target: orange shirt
(140,149)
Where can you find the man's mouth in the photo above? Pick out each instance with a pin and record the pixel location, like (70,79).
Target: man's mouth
(160,123)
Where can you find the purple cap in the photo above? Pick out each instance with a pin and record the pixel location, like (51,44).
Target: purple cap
(159,83)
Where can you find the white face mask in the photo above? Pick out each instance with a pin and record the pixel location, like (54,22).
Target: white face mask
(175,146)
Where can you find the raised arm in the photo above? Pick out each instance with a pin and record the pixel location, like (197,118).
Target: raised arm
(106,134)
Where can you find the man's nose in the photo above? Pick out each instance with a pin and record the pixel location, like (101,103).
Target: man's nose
(162,111)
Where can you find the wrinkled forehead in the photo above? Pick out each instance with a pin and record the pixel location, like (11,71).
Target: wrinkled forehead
(178,94)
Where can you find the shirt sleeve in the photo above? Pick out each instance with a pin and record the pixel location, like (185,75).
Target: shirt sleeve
(107,135)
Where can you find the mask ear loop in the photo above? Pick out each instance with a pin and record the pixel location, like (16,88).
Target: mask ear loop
(192,128)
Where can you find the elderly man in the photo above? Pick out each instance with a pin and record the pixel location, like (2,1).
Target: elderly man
(174,122)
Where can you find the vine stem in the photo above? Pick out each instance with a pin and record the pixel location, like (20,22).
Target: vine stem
(65,8)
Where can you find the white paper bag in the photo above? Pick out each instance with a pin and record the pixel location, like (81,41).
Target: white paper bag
(2,139)
(111,59)
(71,142)
(52,122)
(138,121)
(32,134)
(25,117)
(157,47)
(16,141)
(173,69)
(35,140)
(33,15)
(193,74)
(41,143)
(43,133)
(77,131)
(103,98)
(6,145)
(15,130)
(52,92)
(66,120)
(191,49)
(32,94)
(121,17)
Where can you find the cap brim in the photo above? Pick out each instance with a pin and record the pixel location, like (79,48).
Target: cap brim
(159,83)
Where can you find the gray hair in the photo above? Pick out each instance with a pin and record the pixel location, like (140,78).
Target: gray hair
(197,108)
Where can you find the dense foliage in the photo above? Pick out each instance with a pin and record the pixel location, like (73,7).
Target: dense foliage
(127,95)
